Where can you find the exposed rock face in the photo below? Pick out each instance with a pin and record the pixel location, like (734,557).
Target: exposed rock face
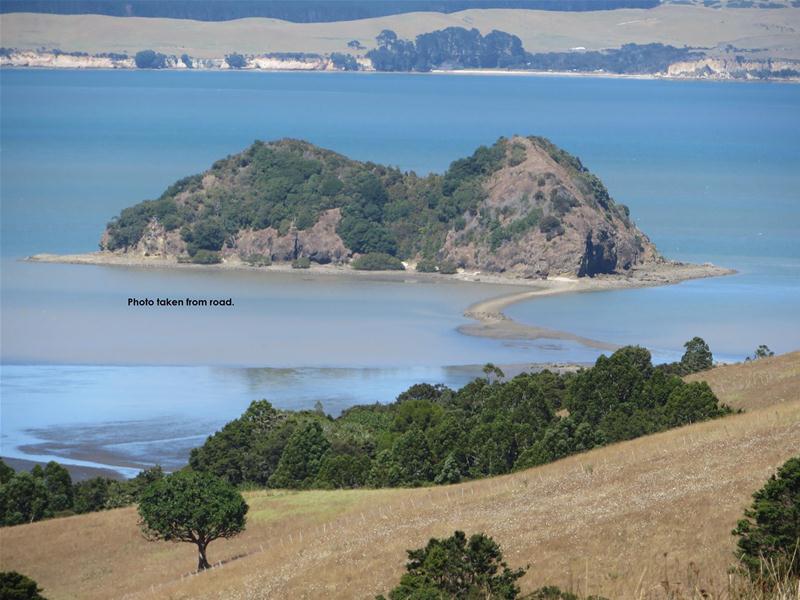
(320,243)
(157,241)
(736,68)
(585,236)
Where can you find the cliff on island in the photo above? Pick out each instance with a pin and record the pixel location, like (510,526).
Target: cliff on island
(520,207)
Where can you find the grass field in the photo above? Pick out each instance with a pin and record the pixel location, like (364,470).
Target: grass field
(774,31)
(638,519)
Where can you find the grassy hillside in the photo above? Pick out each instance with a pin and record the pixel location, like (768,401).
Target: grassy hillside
(627,521)
(756,384)
(540,31)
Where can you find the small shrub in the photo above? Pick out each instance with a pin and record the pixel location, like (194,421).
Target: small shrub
(206,257)
(301,262)
(458,567)
(447,268)
(258,260)
(770,530)
(551,226)
(518,155)
(426,265)
(15,586)
(377,261)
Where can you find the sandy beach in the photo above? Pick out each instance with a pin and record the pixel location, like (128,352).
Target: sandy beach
(491,322)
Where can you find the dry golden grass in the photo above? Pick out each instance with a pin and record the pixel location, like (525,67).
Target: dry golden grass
(755,384)
(641,519)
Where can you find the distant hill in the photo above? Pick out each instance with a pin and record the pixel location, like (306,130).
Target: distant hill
(298,11)
(634,520)
(521,205)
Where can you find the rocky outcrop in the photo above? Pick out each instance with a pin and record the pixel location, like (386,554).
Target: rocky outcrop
(573,232)
(736,68)
(320,243)
(56,59)
(53,59)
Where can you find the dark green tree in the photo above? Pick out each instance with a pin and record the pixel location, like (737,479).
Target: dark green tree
(91,495)
(192,507)
(59,486)
(6,472)
(491,370)
(762,351)
(458,568)
(691,403)
(15,586)
(24,499)
(770,530)
(343,471)
(697,356)
(301,459)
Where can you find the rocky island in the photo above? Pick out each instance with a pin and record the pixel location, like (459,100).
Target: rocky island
(519,211)
(521,207)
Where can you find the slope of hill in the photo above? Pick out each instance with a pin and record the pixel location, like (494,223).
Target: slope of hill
(755,384)
(633,520)
(299,11)
(763,33)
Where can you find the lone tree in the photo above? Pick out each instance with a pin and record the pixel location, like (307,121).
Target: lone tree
(490,369)
(192,507)
(457,567)
(770,530)
(762,351)
(697,356)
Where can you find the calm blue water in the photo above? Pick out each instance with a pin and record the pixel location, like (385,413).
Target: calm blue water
(711,172)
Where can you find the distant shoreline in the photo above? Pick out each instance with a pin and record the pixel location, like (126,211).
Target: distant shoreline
(435,72)
(491,321)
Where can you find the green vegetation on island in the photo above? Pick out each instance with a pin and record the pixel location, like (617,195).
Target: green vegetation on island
(290,200)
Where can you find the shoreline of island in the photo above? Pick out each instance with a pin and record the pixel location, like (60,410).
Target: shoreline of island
(491,321)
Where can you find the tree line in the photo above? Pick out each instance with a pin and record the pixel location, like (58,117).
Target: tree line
(460,48)
(49,491)
(436,435)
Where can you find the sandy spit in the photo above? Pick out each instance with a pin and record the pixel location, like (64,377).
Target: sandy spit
(491,321)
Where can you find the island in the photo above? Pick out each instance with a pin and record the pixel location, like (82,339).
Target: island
(521,211)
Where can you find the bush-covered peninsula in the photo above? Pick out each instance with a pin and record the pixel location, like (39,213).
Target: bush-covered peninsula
(521,205)
(435,435)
